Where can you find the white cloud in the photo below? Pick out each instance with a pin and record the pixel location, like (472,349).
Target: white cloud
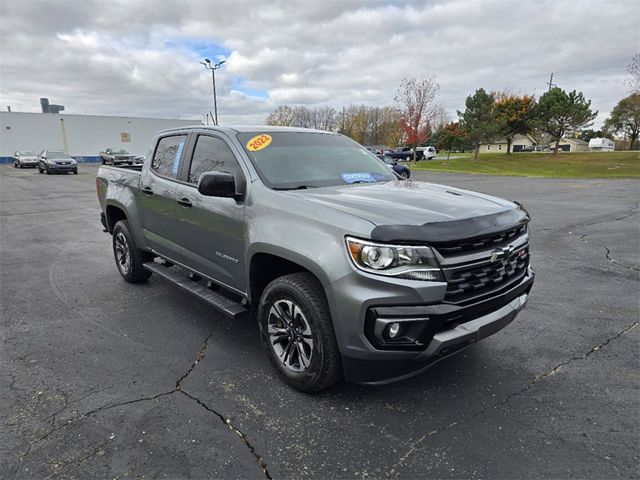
(141,58)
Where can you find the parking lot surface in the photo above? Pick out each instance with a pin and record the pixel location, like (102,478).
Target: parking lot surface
(103,379)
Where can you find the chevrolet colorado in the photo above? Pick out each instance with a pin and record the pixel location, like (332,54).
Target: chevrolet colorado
(352,272)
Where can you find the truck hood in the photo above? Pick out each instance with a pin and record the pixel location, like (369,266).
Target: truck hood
(409,210)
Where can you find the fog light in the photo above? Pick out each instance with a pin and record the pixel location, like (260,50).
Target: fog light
(393,330)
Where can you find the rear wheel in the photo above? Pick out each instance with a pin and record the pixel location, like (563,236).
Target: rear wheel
(129,258)
(75,171)
(296,329)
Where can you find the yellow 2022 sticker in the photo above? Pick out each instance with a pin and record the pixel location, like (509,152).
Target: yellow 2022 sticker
(259,142)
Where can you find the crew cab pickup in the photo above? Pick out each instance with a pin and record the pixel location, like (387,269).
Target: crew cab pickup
(114,156)
(302,229)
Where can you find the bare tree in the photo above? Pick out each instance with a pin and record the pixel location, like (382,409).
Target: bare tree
(283,116)
(634,69)
(416,104)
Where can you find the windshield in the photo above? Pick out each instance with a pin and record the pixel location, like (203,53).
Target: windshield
(26,154)
(56,155)
(120,152)
(289,160)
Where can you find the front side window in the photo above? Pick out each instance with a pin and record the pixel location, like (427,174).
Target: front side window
(290,160)
(212,155)
(167,157)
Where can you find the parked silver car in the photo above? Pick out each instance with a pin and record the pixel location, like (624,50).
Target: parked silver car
(24,158)
(54,161)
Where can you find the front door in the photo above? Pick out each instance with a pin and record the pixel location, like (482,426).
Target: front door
(210,230)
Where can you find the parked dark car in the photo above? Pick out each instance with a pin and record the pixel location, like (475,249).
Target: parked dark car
(401,170)
(56,161)
(402,153)
(22,158)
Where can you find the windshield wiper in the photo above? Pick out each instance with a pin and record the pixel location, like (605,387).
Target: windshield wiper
(297,187)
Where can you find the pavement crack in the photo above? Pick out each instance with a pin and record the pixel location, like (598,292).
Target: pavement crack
(608,255)
(199,357)
(415,445)
(71,421)
(227,421)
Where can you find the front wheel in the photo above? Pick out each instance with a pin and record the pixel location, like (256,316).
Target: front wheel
(129,258)
(296,329)
(15,165)
(75,171)
(404,174)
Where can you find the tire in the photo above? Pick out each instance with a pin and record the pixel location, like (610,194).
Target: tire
(15,165)
(75,172)
(129,258)
(40,170)
(407,159)
(47,170)
(405,174)
(298,300)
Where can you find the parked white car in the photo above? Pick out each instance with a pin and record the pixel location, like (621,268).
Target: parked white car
(428,153)
(22,158)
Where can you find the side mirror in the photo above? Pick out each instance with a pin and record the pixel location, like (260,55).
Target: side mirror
(218,184)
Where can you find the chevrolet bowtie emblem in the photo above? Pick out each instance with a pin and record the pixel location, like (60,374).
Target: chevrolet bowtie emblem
(502,253)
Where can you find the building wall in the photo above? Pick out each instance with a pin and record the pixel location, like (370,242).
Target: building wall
(501,146)
(572,146)
(80,135)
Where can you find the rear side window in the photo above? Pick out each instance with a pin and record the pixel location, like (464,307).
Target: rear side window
(212,155)
(167,157)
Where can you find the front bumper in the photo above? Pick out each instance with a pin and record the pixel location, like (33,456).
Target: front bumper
(445,329)
(62,168)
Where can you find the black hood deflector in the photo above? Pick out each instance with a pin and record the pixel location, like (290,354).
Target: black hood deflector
(452,231)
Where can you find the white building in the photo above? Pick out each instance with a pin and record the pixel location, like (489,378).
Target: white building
(571,145)
(601,145)
(79,135)
(519,143)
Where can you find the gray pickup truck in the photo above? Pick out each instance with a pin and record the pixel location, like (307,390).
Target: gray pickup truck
(351,272)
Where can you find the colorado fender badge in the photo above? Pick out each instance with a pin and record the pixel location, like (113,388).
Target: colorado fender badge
(259,142)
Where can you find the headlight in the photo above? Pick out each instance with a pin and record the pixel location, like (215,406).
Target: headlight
(399,261)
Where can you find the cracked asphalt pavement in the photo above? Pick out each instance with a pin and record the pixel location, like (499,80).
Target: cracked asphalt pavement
(102,379)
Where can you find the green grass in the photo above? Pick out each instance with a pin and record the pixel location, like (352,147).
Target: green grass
(563,165)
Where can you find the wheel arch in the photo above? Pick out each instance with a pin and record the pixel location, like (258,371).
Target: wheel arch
(267,264)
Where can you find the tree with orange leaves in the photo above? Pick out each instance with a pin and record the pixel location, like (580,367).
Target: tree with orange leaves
(513,115)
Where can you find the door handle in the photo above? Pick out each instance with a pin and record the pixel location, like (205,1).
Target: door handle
(185,202)
(146,191)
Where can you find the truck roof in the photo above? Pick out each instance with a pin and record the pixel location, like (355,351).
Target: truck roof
(234,129)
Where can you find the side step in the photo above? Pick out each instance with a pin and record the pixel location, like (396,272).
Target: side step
(222,303)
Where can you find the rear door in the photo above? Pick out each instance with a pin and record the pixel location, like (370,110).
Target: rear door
(211,229)
(157,196)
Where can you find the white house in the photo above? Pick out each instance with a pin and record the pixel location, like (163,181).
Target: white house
(571,145)
(601,145)
(520,143)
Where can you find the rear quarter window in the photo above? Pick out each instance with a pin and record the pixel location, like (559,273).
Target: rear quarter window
(166,159)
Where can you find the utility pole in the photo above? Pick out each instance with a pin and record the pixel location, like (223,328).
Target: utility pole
(213,67)
(551,84)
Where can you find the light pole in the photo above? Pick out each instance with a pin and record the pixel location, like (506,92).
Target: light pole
(213,67)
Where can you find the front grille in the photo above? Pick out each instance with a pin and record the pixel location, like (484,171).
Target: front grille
(481,243)
(465,283)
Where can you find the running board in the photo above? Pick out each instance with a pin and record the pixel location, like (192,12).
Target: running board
(222,303)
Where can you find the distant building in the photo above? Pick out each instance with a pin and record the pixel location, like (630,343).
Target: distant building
(520,143)
(82,136)
(601,145)
(571,145)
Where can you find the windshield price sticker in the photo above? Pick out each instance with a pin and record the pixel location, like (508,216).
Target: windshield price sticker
(259,142)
